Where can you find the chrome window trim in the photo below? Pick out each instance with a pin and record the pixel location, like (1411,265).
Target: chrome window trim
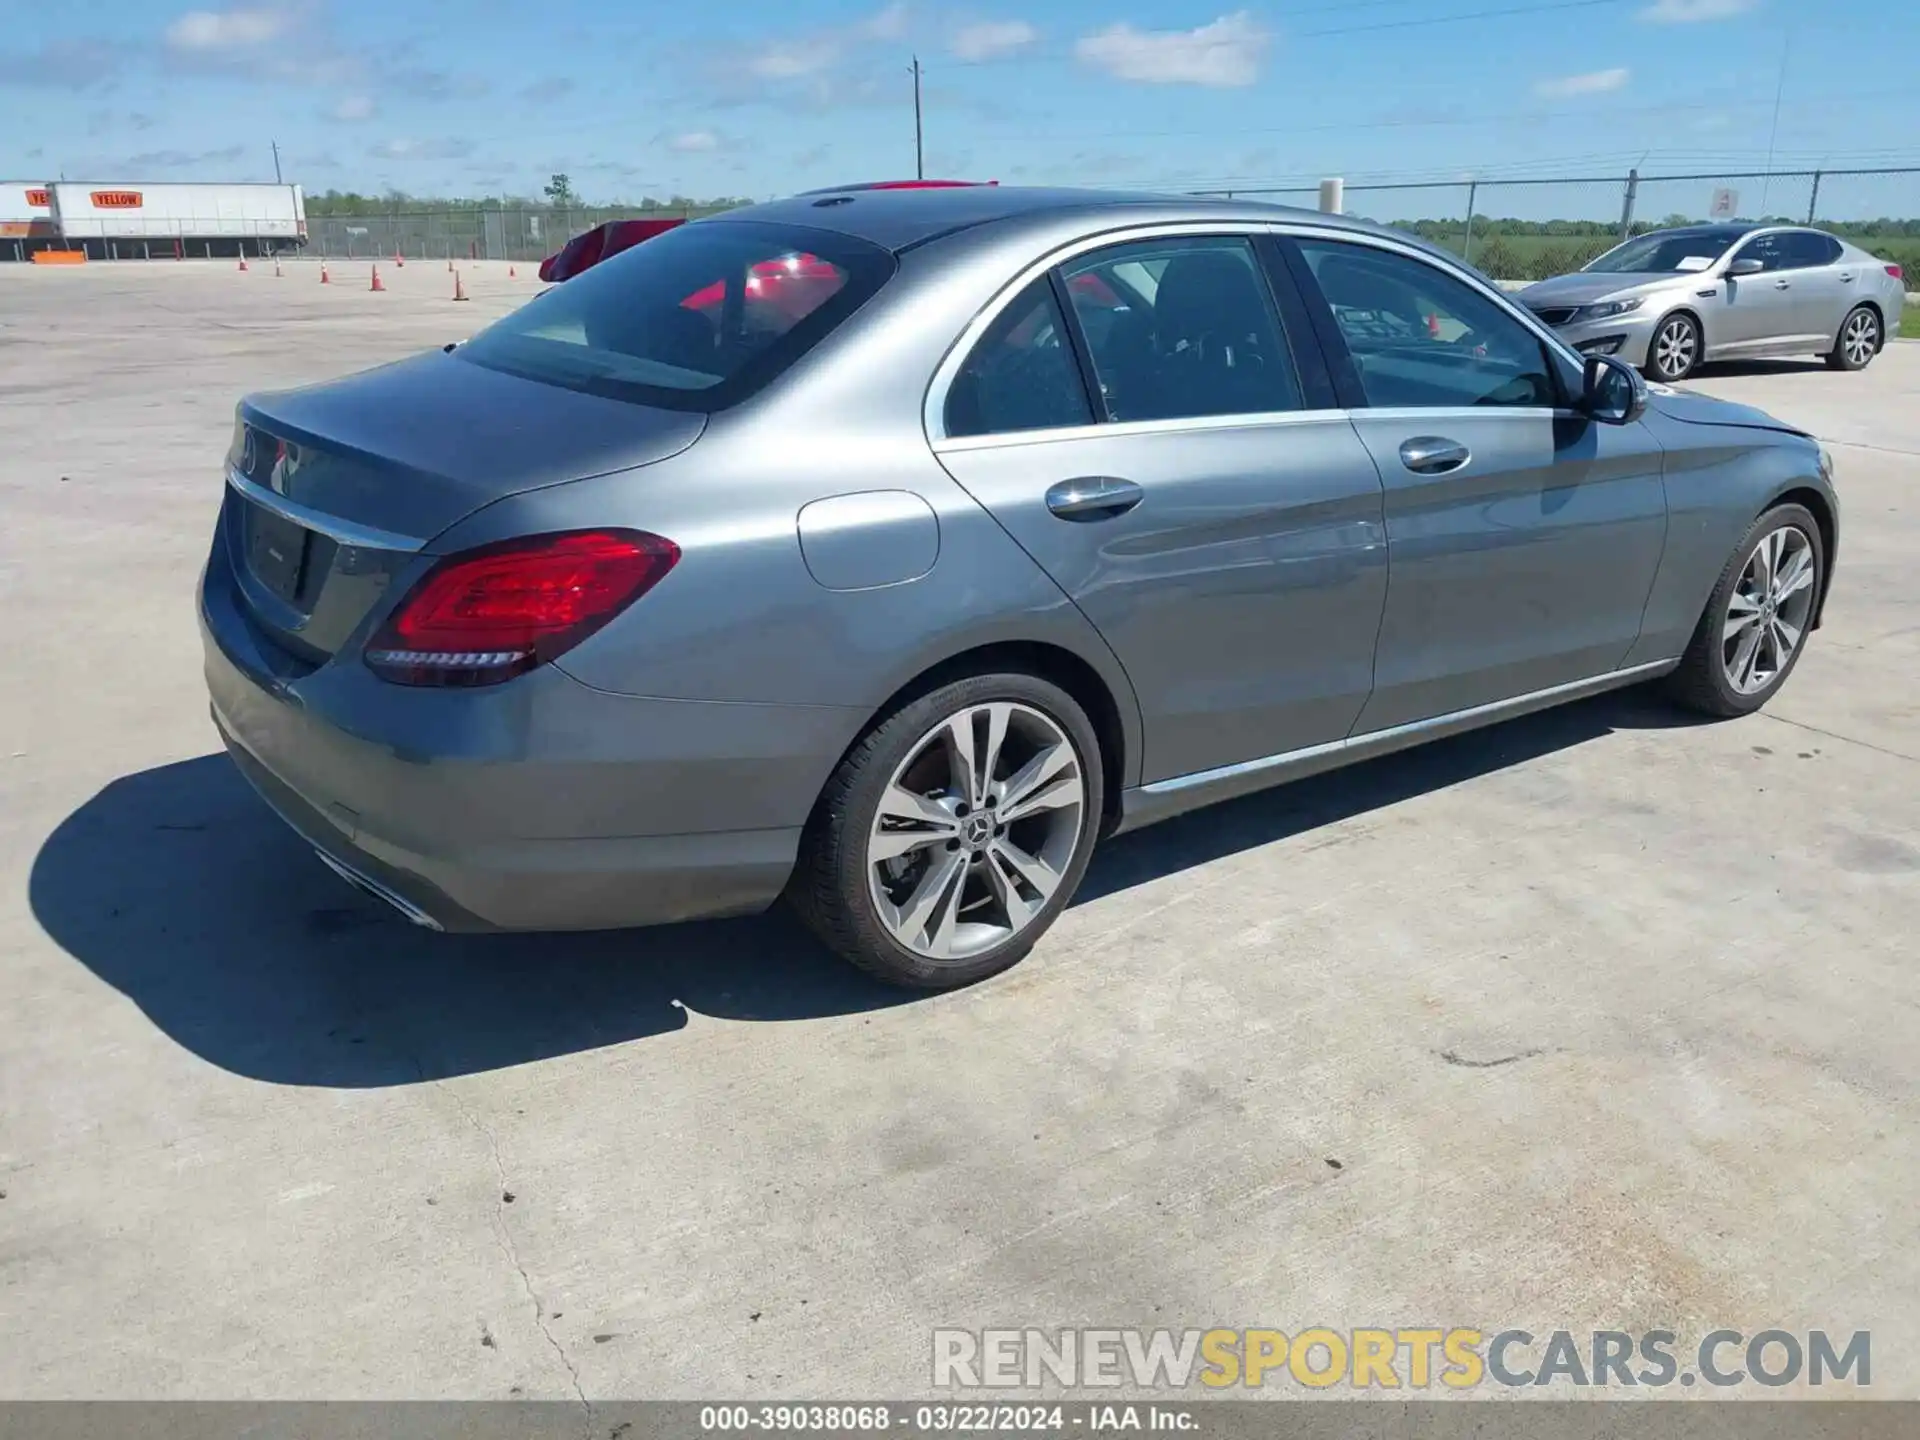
(1190,424)
(933,413)
(343,532)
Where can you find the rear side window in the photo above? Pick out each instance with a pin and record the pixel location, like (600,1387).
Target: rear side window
(1022,374)
(1803,250)
(1180,328)
(695,319)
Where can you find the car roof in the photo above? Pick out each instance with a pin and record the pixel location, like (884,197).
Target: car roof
(901,219)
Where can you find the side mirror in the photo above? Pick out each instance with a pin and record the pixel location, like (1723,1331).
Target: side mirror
(1748,266)
(1612,391)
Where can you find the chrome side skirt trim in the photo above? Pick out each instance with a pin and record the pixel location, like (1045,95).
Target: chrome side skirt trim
(1356,747)
(344,532)
(379,892)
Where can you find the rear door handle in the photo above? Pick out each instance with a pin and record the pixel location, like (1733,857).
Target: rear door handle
(1846,279)
(1433,455)
(1093,497)
(1782,285)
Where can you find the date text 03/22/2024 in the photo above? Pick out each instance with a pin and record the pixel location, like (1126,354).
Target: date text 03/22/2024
(947,1419)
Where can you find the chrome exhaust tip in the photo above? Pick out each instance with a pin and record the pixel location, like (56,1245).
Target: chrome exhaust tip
(380,892)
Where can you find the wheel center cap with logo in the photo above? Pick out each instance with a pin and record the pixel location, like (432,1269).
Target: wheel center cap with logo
(976,831)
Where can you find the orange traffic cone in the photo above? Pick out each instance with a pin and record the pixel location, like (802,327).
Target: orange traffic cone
(243,262)
(376,285)
(399,260)
(1433,326)
(449,264)
(459,290)
(276,267)
(323,274)
(512,274)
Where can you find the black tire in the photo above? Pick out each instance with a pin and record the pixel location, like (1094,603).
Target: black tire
(1701,682)
(1849,356)
(829,890)
(1685,351)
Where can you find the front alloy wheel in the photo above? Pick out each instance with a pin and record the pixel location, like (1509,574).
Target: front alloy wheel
(1676,349)
(1754,628)
(1767,612)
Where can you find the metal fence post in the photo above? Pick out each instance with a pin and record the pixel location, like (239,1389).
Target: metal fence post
(1626,205)
(1466,246)
(1813,199)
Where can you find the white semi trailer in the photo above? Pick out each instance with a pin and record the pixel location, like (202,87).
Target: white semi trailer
(131,221)
(26,218)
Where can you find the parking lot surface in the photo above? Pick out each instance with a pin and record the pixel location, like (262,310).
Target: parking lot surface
(1599,1019)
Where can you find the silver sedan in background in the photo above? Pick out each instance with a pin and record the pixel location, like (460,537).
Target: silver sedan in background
(1671,300)
(887,550)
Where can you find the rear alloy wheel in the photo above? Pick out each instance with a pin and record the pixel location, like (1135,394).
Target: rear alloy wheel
(1858,341)
(951,837)
(1756,622)
(1675,349)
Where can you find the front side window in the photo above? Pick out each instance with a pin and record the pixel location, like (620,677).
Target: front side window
(1180,328)
(1422,337)
(694,319)
(1787,250)
(1021,374)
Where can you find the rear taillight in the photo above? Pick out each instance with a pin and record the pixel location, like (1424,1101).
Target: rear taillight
(489,614)
(1895,271)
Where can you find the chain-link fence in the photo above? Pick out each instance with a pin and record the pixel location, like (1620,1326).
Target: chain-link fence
(1529,229)
(468,234)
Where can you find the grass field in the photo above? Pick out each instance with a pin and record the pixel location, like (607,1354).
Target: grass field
(1910,323)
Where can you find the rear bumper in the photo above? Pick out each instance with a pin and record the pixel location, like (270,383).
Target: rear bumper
(540,804)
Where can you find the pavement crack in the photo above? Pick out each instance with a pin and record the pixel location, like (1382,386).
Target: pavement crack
(1843,739)
(1454,1057)
(503,1237)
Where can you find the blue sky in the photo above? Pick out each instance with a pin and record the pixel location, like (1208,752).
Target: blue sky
(655,98)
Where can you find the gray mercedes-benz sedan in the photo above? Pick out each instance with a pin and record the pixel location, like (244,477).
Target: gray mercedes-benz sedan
(885,549)
(1671,300)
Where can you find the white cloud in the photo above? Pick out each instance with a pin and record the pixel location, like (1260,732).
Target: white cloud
(1597,82)
(694,142)
(887,24)
(408,149)
(1692,12)
(216,30)
(1224,53)
(794,59)
(354,107)
(990,39)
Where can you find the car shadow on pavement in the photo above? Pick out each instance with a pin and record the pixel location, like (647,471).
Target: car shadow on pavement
(1728,369)
(181,890)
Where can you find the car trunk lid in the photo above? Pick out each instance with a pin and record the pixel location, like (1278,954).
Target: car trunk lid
(334,489)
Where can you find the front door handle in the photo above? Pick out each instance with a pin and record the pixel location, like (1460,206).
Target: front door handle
(1433,455)
(1093,497)
(1782,285)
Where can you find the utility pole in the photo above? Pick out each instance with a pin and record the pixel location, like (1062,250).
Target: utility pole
(919,152)
(276,162)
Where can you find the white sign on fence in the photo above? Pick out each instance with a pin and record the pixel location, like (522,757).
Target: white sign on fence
(1725,203)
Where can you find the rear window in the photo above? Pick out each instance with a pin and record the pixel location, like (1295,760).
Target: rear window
(695,319)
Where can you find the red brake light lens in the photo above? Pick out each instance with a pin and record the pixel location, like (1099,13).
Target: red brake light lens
(486,615)
(1895,271)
